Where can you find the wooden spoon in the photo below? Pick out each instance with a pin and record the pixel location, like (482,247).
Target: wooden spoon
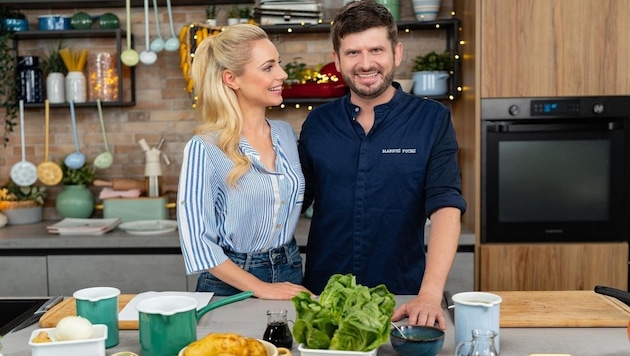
(48,172)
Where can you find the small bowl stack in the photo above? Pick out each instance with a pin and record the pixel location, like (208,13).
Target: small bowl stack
(418,340)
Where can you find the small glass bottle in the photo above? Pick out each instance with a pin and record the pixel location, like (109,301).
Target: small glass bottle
(277,331)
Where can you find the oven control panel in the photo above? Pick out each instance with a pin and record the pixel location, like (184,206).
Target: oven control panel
(560,107)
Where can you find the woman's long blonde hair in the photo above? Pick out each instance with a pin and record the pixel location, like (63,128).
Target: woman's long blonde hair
(217,103)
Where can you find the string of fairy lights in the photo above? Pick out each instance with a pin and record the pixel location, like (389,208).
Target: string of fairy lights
(191,36)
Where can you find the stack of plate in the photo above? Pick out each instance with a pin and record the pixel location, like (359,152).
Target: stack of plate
(74,226)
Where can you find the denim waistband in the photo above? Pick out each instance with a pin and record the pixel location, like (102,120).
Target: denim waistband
(273,255)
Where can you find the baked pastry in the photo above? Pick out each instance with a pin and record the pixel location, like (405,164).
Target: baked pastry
(42,337)
(225,344)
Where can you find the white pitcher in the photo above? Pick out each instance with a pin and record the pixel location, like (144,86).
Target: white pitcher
(476,310)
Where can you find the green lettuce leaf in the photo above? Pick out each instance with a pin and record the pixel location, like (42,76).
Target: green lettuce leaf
(347,316)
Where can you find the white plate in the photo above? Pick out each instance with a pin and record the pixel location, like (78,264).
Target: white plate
(149,227)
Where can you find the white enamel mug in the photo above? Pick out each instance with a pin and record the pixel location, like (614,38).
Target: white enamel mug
(476,310)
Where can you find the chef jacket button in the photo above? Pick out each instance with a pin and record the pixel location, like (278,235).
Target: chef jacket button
(356,109)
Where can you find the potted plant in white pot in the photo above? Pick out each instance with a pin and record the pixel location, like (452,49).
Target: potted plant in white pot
(431,72)
(55,72)
(22,205)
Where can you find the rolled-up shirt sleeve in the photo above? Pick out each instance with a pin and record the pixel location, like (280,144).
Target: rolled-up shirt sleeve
(197,222)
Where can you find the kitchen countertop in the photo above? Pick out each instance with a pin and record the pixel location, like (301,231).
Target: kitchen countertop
(249,319)
(36,237)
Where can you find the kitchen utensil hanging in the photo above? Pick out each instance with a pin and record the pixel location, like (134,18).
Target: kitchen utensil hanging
(76,159)
(129,56)
(48,172)
(172,44)
(23,173)
(105,159)
(147,56)
(158,44)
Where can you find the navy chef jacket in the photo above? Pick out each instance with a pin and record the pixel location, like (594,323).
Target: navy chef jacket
(372,193)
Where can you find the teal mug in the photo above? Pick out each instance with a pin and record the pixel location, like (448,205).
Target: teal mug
(99,305)
(167,324)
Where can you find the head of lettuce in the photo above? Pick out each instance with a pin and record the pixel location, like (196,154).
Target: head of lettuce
(347,316)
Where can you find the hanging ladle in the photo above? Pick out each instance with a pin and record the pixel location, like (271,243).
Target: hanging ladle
(48,171)
(23,173)
(105,159)
(158,44)
(172,44)
(129,56)
(147,56)
(76,159)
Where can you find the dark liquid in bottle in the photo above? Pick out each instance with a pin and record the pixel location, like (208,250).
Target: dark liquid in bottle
(279,335)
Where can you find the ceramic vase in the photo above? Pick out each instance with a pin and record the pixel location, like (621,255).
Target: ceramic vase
(392,6)
(55,88)
(426,10)
(76,89)
(75,201)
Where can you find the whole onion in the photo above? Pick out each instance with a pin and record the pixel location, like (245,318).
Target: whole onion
(73,328)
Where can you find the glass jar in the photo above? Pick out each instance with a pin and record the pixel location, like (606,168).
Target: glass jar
(277,331)
(75,87)
(31,80)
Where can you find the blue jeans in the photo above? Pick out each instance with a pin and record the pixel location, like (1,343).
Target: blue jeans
(280,264)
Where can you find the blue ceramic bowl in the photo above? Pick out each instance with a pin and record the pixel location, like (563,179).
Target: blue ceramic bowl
(16,24)
(53,22)
(420,341)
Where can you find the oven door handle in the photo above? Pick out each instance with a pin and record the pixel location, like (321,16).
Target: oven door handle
(514,126)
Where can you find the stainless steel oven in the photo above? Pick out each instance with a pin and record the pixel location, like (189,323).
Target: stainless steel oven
(555,169)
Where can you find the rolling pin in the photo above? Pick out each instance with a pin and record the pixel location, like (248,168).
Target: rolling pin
(122,184)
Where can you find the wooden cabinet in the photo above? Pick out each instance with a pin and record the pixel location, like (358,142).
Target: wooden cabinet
(126,75)
(578,266)
(554,48)
(23,276)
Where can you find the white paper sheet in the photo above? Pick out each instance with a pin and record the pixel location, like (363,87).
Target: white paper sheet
(130,312)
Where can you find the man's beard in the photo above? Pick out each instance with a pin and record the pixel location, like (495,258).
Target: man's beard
(369,92)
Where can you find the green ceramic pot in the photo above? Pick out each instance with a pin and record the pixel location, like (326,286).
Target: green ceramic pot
(108,21)
(75,201)
(81,21)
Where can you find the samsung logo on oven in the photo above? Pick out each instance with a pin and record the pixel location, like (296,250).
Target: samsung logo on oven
(554,231)
(398,151)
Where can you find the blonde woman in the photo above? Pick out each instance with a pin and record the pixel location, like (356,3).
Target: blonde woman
(241,186)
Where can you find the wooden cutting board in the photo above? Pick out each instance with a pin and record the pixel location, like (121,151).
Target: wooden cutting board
(69,307)
(561,309)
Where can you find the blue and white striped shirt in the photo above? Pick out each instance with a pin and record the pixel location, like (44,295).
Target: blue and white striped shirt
(260,213)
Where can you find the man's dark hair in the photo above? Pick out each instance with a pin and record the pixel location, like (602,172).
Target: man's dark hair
(358,16)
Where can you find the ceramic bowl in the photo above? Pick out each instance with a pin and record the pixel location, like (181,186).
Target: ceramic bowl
(420,340)
(16,24)
(53,22)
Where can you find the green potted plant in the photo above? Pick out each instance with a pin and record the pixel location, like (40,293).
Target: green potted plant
(76,200)
(8,79)
(431,72)
(55,71)
(22,205)
(233,15)
(211,15)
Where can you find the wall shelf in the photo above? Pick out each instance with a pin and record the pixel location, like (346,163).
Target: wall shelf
(450,26)
(116,34)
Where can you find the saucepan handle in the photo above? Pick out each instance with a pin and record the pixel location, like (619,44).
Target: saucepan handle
(613,292)
(222,302)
